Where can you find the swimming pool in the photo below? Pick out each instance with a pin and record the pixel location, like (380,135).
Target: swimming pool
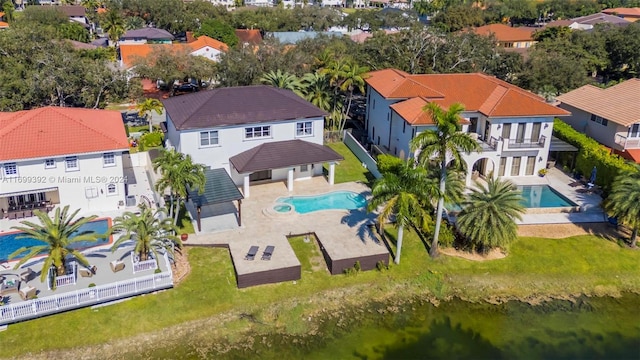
(534,196)
(338,200)
(10,242)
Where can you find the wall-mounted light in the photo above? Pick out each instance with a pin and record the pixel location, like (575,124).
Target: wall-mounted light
(540,159)
(499,126)
(546,125)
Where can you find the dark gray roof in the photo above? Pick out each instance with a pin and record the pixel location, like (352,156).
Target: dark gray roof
(559,145)
(281,154)
(219,188)
(148,33)
(236,106)
(72,10)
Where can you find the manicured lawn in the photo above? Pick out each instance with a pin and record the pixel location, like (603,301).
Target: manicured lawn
(350,169)
(534,267)
(184,221)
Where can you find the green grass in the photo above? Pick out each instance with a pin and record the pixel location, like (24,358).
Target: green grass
(534,267)
(350,169)
(184,221)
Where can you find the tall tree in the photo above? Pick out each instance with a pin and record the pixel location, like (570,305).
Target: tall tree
(443,143)
(283,80)
(624,201)
(218,30)
(352,76)
(167,162)
(400,193)
(316,90)
(113,24)
(146,107)
(151,232)
(59,234)
(489,214)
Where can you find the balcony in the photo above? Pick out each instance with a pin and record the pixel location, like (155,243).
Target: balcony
(517,144)
(627,143)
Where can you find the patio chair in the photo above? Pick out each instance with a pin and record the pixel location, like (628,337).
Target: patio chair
(27,292)
(13,215)
(116,265)
(28,275)
(266,255)
(252,253)
(85,273)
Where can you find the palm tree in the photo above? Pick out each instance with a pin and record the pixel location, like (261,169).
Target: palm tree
(90,5)
(316,90)
(624,201)
(58,233)
(187,176)
(401,192)
(113,25)
(151,231)
(440,144)
(167,162)
(353,76)
(489,213)
(282,80)
(146,107)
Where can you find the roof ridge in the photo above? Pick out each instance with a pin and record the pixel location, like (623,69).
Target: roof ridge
(80,122)
(14,122)
(498,101)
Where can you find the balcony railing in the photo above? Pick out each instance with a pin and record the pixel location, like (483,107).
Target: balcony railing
(627,143)
(524,143)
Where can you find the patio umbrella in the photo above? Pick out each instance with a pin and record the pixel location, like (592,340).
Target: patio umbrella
(592,179)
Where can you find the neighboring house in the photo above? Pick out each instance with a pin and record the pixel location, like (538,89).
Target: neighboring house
(65,156)
(362,36)
(256,133)
(508,37)
(259,3)
(589,21)
(229,4)
(75,13)
(203,46)
(629,14)
(294,37)
(512,126)
(611,116)
(3,23)
(146,36)
(249,37)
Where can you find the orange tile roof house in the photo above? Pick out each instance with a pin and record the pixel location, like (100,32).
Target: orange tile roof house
(629,14)
(513,126)
(611,116)
(508,36)
(66,156)
(203,46)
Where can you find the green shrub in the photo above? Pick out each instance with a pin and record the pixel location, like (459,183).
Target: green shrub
(357,266)
(152,139)
(590,154)
(92,285)
(381,266)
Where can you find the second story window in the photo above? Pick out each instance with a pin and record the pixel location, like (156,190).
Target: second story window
(257,132)
(71,163)
(50,164)
(304,128)
(108,159)
(10,169)
(209,138)
(599,119)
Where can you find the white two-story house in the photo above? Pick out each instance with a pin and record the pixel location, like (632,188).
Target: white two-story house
(55,156)
(610,116)
(256,133)
(512,126)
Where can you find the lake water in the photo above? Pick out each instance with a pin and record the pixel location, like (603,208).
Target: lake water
(591,328)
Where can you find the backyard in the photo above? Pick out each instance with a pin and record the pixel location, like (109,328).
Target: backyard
(350,169)
(208,303)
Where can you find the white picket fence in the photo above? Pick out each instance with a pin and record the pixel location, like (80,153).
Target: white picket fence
(65,280)
(47,305)
(145,265)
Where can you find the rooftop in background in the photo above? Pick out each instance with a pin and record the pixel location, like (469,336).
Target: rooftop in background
(294,37)
(506,33)
(82,46)
(477,92)
(249,36)
(362,36)
(619,103)
(624,12)
(593,19)
(129,52)
(148,33)
(71,10)
(57,131)
(237,105)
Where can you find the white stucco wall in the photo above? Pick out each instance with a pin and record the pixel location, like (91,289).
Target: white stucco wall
(207,52)
(378,117)
(580,120)
(72,185)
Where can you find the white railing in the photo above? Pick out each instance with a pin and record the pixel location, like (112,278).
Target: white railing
(48,305)
(145,265)
(627,143)
(64,280)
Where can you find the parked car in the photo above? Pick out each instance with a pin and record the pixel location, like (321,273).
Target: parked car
(185,88)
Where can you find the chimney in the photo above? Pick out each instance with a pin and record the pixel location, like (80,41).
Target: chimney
(190,37)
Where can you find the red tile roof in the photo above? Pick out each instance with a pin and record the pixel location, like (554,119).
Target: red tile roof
(249,36)
(56,131)
(3,25)
(477,92)
(632,12)
(129,53)
(629,154)
(506,33)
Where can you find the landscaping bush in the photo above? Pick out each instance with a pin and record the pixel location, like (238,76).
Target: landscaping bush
(590,154)
(152,139)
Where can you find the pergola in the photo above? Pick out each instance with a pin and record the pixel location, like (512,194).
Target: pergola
(219,188)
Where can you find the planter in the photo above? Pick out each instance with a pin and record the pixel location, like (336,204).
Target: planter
(184,237)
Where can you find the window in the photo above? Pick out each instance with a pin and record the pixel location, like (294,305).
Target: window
(404,125)
(515,166)
(520,134)
(257,132)
(506,131)
(304,128)
(304,168)
(599,119)
(50,164)
(413,133)
(91,192)
(209,138)
(10,169)
(531,164)
(535,132)
(634,131)
(260,175)
(503,163)
(112,189)
(108,159)
(71,163)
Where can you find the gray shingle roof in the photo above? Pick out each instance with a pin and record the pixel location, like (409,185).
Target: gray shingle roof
(236,106)
(219,188)
(282,154)
(148,33)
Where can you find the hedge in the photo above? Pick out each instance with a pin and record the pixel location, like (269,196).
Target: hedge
(150,140)
(590,154)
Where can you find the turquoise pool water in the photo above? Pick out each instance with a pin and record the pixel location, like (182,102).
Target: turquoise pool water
(10,242)
(534,196)
(339,200)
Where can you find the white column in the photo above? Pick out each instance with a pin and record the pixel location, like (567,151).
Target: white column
(246,186)
(290,180)
(332,172)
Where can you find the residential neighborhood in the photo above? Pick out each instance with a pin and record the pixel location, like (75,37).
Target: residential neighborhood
(334,179)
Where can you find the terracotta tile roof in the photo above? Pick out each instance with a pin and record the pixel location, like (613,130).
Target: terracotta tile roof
(629,154)
(619,104)
(56,131)
(129,52)
(237,105)
(477,92)
(249,36)
(633,12)
(505,32)
(281,154)
(3,24)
